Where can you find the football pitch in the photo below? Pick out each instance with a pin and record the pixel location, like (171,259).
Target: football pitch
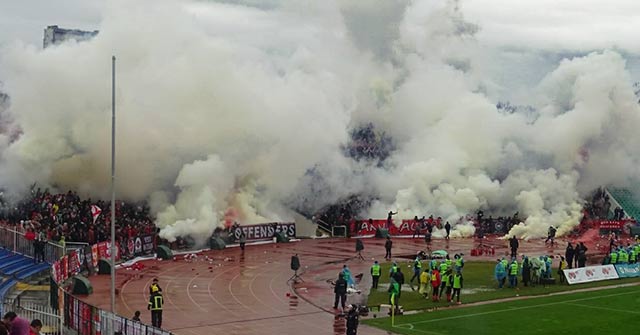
(594,312)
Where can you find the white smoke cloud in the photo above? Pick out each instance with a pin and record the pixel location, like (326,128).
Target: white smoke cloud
(223,108)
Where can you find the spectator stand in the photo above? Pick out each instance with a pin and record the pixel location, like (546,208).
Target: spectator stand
(20,273)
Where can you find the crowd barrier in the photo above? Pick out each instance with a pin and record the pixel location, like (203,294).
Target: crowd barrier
(14,240)
(69,311)
(85,318)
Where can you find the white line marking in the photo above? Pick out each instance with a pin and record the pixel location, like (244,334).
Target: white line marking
(517,308)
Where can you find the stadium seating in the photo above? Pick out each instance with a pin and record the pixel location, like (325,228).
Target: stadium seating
(628,198)
(15,268)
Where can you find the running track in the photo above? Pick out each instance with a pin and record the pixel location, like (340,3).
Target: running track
(236,293)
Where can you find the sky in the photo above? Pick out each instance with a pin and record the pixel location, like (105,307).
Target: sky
(537,32)
(241,108)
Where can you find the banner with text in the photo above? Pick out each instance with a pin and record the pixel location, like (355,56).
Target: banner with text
(590,273)
(265,231)
(628,270)
(406,227)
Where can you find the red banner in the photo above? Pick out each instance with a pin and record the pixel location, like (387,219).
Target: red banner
(74,263)
(406,228)
(104,250)
(64,268)
(94,255)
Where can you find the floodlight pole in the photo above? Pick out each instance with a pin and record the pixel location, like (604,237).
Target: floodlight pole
(113,184)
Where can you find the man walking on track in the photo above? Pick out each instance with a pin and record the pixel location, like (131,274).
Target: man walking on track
(387,247)
(155,306)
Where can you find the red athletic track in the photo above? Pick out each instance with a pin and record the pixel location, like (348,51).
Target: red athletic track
(247,294)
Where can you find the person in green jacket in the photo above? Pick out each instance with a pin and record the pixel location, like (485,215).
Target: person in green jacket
(394,291)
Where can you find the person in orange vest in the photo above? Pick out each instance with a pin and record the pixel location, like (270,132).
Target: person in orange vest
(435,284)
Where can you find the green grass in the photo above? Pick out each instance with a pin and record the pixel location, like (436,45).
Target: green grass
(479,285)
(607,311)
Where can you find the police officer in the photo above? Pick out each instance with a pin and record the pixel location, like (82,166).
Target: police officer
(375,274)
(340,291)
(155,306)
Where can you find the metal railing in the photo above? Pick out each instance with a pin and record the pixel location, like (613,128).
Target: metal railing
(324,226)
(16,241)
(51,321)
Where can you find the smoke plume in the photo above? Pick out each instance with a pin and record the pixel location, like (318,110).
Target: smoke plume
(225,109)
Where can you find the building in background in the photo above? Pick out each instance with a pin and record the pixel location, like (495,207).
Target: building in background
(54,35)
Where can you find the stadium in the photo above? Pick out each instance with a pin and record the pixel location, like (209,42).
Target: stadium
(278,167)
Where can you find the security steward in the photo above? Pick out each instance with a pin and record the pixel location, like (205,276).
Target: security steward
(375,274)
(155,306)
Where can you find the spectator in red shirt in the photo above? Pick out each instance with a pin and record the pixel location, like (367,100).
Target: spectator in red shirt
(36,326)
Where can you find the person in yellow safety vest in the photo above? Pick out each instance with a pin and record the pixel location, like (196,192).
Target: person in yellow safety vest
(444,285)
(424,284)
(505,264)
(375,274)
(613,257)
(155,306)
(633,256)
(393,269)
(563,265)
(513,274)
(457,286)
(448,261)
(449,284)
(459,264)
(623,257)
(417,268)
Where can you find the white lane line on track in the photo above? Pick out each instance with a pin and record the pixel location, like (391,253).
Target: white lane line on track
(224,306)
(516,308)
(189,293)
(235,297)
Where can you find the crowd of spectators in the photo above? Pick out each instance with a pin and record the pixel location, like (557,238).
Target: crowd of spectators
(68,218)
(598,205)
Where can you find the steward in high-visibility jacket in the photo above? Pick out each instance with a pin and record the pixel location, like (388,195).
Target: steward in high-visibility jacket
(457,286)
(623,257)
(375,274)
(435,284)
(459,264)
(513,274)
(633,256)
(393,269)
(155,305)
(417,268)
(613,256)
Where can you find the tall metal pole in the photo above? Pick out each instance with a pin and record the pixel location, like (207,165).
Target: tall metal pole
(113,184)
